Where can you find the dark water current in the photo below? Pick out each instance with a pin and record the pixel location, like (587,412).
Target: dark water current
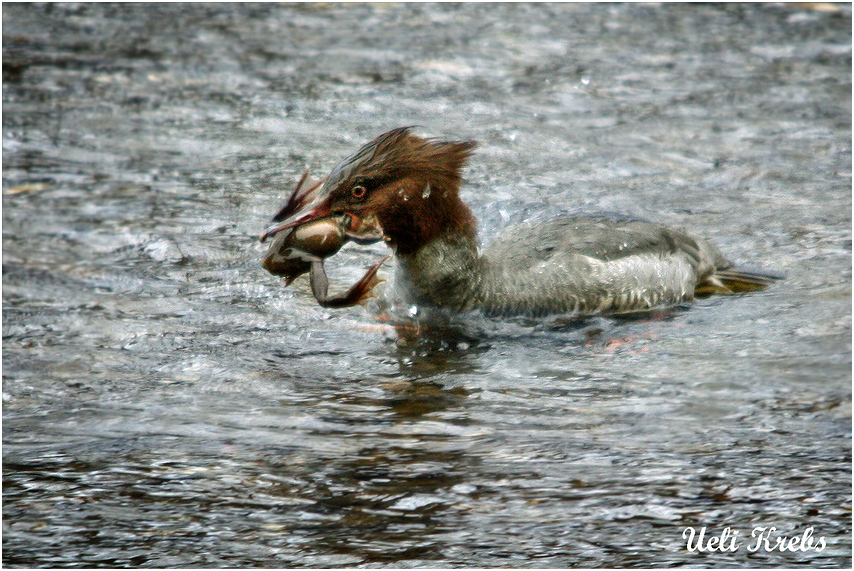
(166,403)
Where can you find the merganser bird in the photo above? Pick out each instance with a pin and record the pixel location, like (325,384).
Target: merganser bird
(409,187)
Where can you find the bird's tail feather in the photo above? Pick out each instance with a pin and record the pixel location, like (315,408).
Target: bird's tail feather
(736,280)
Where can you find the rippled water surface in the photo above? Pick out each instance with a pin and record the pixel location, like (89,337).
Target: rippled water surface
(167,403)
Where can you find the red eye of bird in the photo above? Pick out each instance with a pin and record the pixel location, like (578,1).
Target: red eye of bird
(358,191)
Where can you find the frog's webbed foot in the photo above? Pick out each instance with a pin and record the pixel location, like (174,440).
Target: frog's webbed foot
(359,293)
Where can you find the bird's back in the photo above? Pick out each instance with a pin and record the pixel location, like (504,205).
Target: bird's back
(595,264)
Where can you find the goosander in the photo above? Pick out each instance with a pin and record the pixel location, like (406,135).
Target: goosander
(409,187)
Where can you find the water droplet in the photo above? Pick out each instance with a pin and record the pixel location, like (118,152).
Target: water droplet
(413,311)
(425,194)
(585,80)
(464,489)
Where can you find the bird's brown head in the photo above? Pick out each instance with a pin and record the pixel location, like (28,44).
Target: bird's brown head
(410,185)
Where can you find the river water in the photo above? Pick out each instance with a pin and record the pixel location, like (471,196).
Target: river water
(167,403)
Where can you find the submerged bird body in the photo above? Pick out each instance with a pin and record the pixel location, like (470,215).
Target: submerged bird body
(567,265)
(573,264)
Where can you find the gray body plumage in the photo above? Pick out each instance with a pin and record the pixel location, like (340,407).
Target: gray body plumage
(583,265)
